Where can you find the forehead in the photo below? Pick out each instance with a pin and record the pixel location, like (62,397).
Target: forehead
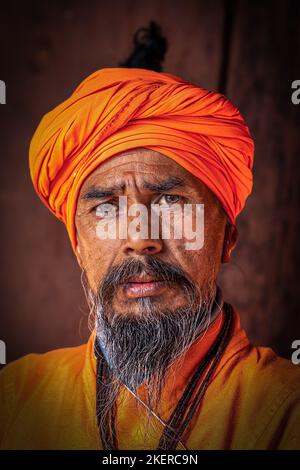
(140,165)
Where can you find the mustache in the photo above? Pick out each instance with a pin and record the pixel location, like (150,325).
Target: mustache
(150,266)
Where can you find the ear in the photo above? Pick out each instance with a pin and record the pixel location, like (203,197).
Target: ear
(230,240)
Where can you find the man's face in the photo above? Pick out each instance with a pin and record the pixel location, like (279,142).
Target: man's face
(146,177)
(150,297)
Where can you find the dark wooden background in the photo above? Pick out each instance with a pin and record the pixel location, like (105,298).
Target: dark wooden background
(247,50)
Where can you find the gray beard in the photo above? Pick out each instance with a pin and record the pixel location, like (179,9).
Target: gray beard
(142,349)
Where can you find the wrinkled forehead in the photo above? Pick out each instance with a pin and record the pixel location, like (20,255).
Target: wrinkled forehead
(143,167)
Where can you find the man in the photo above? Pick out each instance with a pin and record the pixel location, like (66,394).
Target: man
(167,365)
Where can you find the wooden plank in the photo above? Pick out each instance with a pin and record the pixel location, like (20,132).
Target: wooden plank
(264,280)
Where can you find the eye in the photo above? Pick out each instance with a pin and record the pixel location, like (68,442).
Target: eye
(169,199)
(105,209)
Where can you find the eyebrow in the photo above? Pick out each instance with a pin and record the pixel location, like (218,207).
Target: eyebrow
(98,193)
(166,185)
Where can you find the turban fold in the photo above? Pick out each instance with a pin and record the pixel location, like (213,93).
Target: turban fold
(117,109)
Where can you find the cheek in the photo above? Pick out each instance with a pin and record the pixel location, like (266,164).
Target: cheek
(193,262)
(209,258)
(201,265)
(214,244)
(96,255)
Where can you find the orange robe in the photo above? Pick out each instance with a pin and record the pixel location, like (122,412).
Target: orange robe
(252,401)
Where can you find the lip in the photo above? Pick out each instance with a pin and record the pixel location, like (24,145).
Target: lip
(143,286)
(142,278)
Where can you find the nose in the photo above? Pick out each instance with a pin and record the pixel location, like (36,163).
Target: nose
(139,246)
(137,228)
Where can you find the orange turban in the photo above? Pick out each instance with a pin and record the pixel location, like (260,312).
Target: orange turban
(117,109)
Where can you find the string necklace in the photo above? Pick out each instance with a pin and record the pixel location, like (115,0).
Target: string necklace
(186,407)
